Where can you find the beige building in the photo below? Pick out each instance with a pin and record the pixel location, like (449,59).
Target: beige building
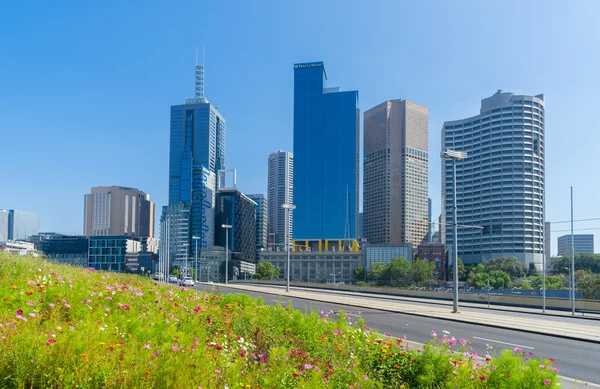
(395,198)
(116,211)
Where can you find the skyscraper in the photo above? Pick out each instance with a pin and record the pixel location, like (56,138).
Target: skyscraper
(118,210)
(196,154)
(17,225)
(280,191)
(260,215)
(237,210)
(500,185)
(326,156)
(395,183)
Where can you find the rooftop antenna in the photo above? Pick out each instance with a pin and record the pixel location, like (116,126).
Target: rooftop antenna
(199,84)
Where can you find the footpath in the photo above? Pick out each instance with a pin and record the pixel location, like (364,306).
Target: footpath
(582,330)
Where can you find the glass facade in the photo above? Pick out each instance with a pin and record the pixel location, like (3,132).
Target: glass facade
(110,252)
(261,219)
(326,157)
(385,253)
(21,225)
(500,185)
(584,243)
(237,210)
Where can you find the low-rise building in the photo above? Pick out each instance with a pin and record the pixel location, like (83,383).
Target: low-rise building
(435,253)
(385,253)
(68,249)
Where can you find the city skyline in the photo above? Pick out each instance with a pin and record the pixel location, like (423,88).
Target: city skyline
(148,84)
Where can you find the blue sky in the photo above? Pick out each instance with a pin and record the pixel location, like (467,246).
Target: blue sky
(85,87)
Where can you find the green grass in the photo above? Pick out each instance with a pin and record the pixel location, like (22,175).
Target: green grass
(65,327)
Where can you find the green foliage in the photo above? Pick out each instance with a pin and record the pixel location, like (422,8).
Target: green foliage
(463,271)
(266,271)
(360,273)
(510,265)
(397,270)
(67,327)
(589,286)
(421,271)
(583,261)
(552,282)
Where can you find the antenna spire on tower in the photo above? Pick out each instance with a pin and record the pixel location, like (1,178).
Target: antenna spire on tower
(199,84)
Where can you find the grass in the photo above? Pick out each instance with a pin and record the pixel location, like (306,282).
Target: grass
(66,327)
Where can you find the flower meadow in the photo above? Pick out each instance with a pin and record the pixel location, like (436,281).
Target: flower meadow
(66,327)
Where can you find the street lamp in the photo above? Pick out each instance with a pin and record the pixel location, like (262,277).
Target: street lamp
(227,227)
(196,239)
(455,155)
(290,208)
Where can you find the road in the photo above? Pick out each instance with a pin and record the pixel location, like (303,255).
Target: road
(575,359)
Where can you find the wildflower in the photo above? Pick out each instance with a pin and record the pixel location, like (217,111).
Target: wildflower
(364,378)
(32,314)
(517,349)
(219,347)
(482,377)
(30,303)
(307,366)
(546,382)
(175,347)
(51,305)
(554,369)
(463,341)
(542,367)
(488,357)
(433,334)
(242,353)
(84,355)
(19,312)
(147,372)
(551,360)
(147,346)
(317,368)
(197,309)
(50,341)
(208,320)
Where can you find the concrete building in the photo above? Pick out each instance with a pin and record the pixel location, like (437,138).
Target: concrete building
(17,225)
(118,210)
(280,191)
(174,235)
(110,252)
(4,215)
(584,244)
(385,253)
(436,254)
(326,156)
(500,185)
(317,260)
(18,247)
(260,215)
(237,210)
(395,180)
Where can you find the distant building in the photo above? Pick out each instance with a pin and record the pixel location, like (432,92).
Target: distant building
(67,249)
(548,242)
(436,254)
(110,252)
(118,210)
(236,209)
(396,173)
(584,244)
(326,156)
(17,225)
(317,260)
(280,191)
(175,235)
(360,224)
(260,215)
(385,253)
(18,247)
(500,185)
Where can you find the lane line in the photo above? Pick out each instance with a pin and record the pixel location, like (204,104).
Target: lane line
(497,341)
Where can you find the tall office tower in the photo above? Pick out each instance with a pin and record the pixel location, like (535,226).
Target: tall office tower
(196,154)
(500,185)
(326,157)
(17,225)
(174,244)
(237,210)
(395,173)
(280,191)
(584,244)
(117,210)
(260,215)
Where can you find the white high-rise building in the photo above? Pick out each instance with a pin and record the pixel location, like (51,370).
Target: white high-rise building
(280,191)
(500,185)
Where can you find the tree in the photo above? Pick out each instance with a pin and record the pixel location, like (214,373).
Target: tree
(421,270)
(360,274)
(531,271)
(462,271)
(510,265)
(377,271)
(397,270)
(589,286)
(583,261)
(266,271)
(499,279)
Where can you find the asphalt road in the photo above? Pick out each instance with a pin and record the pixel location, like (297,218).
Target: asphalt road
(575,359)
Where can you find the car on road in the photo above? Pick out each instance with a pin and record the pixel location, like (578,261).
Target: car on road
(158,276)
(187,281)
(173,280)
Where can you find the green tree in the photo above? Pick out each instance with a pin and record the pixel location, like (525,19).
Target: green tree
(462,271)
(397,270)
(266,271)
(510,265)
(377,271)
(589,286)
(531,271)
(360,274)
(421,271)
(499,279)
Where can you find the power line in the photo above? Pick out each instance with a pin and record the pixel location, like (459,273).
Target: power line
(578,229)
(579,220)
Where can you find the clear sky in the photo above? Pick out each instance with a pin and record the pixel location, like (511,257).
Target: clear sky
(85,87)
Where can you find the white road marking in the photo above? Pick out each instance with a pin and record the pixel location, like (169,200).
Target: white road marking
(509,344)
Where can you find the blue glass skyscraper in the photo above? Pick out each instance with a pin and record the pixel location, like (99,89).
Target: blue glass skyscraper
(326,156)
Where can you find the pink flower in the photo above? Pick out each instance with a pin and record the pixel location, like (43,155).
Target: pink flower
(546,382)
(517,349)
(30,303)
(554,369)
(32,314)
(482,377)
(364,378)
(317,368)
(19,312)
(242,353)
(219,347)
(542,366)
(208,320)
(463,341)
(308,366)
(488,357)
(551,360)
(51,305)
(175,347)
(50,341)
(197,309)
